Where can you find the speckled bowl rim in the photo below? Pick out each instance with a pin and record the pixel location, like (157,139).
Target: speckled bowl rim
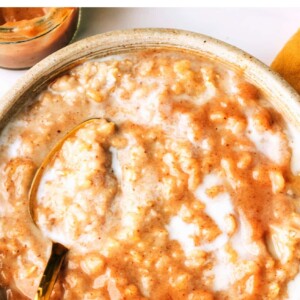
(283,97)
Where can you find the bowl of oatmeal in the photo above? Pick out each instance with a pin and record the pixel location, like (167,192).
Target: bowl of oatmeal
(186,187)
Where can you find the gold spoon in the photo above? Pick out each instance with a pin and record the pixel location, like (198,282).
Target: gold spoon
(58,251)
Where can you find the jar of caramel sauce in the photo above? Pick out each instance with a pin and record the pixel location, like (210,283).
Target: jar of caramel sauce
(27,35)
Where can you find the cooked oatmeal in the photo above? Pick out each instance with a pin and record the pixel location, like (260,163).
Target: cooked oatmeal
(186,186)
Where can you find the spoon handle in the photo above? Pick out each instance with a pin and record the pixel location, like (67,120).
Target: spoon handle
(51,272)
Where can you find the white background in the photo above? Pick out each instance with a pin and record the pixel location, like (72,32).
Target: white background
(259,31)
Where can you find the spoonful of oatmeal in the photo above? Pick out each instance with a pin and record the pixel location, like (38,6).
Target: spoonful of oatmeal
(71,192)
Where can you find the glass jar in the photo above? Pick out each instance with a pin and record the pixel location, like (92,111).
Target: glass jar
(27,35)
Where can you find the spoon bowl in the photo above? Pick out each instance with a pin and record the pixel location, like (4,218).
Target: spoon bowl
(59,251)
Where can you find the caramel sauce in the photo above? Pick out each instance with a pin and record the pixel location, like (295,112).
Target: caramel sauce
(29,34)
(10,15)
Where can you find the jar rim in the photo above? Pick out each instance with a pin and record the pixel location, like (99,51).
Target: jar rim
(36,27)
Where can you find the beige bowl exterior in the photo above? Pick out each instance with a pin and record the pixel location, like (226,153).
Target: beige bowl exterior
(284,98)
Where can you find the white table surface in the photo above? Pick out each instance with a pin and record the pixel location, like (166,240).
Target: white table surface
(259,31)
